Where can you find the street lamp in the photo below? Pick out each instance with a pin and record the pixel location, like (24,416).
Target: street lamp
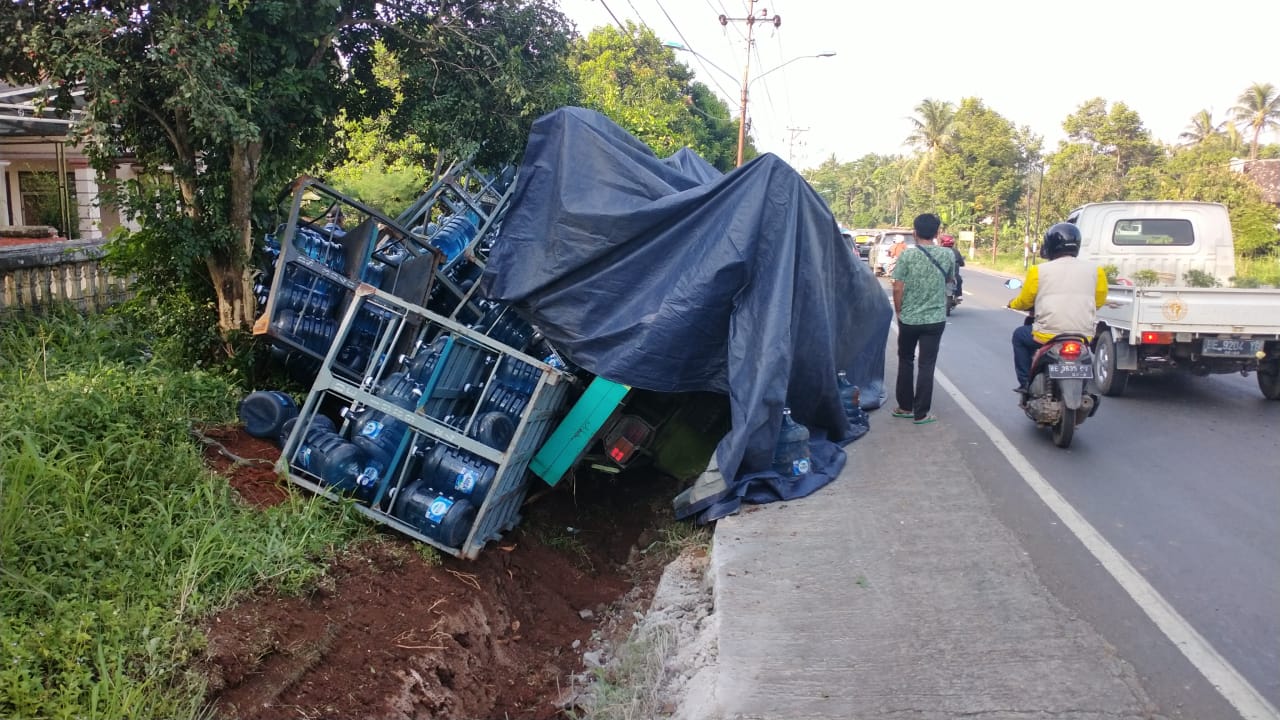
(747,82)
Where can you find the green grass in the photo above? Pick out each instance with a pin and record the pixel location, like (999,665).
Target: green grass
(1008,264)
(114,538)
(1262,271)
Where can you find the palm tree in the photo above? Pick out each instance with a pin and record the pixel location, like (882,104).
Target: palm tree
(1202,128)
(931,129)
(1258,108)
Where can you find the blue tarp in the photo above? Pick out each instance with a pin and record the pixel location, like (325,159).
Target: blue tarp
(670,276)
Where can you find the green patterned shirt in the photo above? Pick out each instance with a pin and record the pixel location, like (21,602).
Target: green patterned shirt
(924,289)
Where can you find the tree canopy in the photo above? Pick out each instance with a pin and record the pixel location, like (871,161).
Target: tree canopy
(637,82)
(980,172)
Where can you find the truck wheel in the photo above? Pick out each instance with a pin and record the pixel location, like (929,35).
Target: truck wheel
(1111,380)
(1269,380)
(1064,428)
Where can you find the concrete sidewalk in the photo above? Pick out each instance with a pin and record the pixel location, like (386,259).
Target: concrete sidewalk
(894,592)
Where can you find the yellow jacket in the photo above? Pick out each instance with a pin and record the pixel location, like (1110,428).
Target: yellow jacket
(1065,294)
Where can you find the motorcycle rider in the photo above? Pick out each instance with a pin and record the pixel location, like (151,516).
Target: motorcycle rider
(1063,294)
(948,241)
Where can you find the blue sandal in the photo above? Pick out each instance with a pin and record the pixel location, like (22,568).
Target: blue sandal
(926,420)
(899,412)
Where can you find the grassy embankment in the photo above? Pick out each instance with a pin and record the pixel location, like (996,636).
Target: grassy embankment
(114,538)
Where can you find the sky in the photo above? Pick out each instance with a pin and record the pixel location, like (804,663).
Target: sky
(1033,61)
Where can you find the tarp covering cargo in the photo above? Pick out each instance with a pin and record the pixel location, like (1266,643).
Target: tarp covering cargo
(670,276)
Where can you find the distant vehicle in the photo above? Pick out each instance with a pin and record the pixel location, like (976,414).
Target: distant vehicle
(863,241)
(881,262)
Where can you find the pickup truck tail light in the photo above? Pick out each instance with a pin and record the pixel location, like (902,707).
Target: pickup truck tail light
(1070,350)
(625,438)
(1157,338)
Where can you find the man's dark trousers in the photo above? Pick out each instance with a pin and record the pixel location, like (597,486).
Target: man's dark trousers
(917,395)
(1025,346)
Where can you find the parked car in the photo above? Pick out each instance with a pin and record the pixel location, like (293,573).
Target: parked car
(863,241)
(881,262)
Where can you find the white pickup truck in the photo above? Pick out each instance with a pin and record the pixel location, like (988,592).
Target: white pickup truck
(1154,319)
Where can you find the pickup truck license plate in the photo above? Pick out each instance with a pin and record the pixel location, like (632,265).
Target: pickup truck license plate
(1070,371)
(1230,347)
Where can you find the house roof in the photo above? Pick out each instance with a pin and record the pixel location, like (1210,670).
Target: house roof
(1266,173)
(22,116)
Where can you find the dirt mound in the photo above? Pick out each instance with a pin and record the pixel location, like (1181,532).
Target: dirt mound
(387,634)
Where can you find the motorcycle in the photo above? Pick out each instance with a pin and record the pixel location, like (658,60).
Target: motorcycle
(1060,393)
(953,297)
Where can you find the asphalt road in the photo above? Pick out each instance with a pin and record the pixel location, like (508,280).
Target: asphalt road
(1181,476)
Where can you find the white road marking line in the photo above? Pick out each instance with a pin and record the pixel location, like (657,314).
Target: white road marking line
(1215,668)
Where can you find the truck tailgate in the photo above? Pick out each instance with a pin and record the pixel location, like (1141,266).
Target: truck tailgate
(1201,311)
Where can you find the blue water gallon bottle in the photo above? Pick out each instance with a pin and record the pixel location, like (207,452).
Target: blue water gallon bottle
(458,472)
(321,422)
(791,454)
(337,463)
(264,412)
(850,396)
(379,434)
(437,515)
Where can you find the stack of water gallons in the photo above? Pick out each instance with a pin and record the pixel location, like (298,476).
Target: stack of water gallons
(305,301)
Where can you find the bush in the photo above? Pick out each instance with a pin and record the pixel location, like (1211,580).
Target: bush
(1146,278)
(1199,279)
(1112,272)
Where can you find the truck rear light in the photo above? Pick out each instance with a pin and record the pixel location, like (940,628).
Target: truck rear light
(1070,350)
(627,436)
(1157,338)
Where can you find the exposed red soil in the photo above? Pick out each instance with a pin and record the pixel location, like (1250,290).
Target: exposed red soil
(385,634)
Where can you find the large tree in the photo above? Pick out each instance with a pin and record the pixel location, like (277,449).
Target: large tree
(1102,158)
(636,81)
(231,98)
(931,129)
(1202,129)
(982,165)
(1258,109)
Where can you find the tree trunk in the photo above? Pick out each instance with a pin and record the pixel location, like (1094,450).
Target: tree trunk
(1253,149)
(230,270)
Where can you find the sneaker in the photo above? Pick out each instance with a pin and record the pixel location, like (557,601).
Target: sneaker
(1021,389)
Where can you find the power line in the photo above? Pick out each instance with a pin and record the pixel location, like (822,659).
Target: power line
(767,92)
(638,15)
(689,47)
(615,17)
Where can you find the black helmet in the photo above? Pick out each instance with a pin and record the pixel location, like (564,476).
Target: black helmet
(1061,239)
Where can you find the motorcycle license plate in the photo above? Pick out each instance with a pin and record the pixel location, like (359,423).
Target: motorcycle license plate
(1230,347)
(1070,371)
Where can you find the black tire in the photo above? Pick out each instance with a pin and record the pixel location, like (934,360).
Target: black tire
(1065,427)
(1269,380)
(1111,380)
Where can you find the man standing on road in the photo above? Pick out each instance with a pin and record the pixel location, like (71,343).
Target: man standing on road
(920,302)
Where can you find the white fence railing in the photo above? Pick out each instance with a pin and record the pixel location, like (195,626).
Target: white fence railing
(35,277)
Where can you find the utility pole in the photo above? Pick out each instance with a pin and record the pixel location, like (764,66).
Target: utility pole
(751,21)
(791,142)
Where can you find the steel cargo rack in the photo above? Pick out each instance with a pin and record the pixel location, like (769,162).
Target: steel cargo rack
(435,439)
(329,245)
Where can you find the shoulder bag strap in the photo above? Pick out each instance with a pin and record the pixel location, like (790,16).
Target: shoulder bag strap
(945,275)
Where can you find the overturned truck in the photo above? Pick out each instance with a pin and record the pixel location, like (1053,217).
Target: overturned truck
(597,307)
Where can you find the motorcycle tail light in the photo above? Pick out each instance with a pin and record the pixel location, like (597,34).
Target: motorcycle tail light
(1070,350)
(1157,338)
